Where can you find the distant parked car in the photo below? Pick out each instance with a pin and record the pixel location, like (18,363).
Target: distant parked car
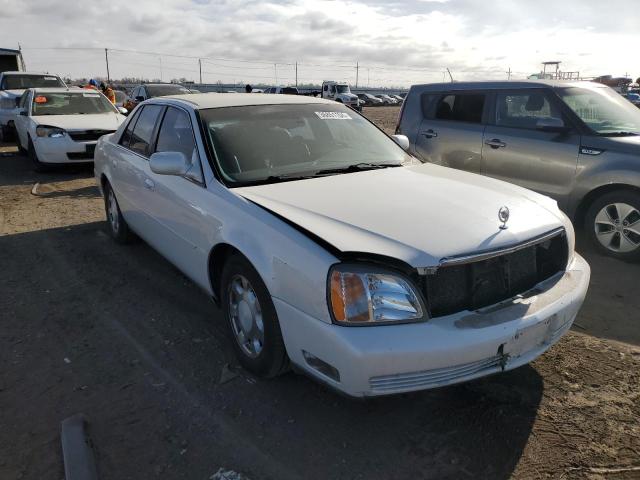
(152,90)
(60,125)
(577,142)
(369,100)
(398,98)
(282,90)
(633,98)
(386,99)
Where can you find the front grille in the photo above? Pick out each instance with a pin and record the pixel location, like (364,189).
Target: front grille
(437,377)
(88,135)
(470,285)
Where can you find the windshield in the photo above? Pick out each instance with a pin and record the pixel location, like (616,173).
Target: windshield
(164,90)
(256,144)
(22,82)
(603,110)
(70,103)
(343,89)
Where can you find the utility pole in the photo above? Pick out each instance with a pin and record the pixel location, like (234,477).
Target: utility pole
(106,57)
(357,72)
(160,58)
(200,65)
(509,74)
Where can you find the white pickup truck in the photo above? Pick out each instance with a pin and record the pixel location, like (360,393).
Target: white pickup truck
(341,93)
(12,86)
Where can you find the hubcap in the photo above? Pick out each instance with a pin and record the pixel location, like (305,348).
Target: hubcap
(245,315)
(617,227)
(112,212)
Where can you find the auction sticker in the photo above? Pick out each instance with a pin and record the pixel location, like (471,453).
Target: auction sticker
(333,115)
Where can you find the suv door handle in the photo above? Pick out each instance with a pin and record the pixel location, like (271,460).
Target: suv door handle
(430,133)
(495,143)
(148,184)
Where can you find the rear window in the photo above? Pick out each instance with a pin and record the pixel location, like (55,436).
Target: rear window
(164,90)
(19,82)
(465,107)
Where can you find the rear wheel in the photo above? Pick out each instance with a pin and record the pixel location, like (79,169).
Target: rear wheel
(118,227)
(252,319)
(613,224)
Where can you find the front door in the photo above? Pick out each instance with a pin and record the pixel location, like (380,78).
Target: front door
(520,147)
(451,130)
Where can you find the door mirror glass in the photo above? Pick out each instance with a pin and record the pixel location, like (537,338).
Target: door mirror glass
(550,124)
(169,163)
(123,110)
(402,141)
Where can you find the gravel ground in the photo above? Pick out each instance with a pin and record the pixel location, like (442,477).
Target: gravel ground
(120,335)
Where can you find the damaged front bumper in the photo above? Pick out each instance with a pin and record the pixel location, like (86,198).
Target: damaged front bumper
(442,351)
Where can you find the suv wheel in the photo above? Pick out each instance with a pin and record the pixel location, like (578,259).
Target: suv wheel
(252,319)
(613,224)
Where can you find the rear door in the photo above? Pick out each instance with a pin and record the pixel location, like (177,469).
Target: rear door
(450,133)
(519,149)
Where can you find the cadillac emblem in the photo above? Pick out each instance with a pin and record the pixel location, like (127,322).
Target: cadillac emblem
(503,216)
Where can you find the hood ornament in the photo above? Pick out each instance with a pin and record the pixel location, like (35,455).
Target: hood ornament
(503,216)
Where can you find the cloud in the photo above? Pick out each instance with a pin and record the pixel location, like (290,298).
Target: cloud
(395,41)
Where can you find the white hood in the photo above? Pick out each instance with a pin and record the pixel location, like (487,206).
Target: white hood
(100,121)
(417,214)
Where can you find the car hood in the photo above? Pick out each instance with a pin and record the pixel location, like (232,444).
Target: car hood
(419,214)
(101,121)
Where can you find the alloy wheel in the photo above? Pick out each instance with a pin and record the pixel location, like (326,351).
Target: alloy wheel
(245,315)
(617,227)
(112,210)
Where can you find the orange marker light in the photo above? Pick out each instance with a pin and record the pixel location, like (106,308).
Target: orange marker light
(40,99)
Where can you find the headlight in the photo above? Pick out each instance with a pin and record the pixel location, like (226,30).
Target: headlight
(362,295)
(51,132)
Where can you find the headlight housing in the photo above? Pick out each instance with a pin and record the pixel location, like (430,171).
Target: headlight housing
(367,295)
(51,132)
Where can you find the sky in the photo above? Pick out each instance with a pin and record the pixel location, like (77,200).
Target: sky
(393,42)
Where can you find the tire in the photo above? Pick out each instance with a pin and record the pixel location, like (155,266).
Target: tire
(38,166)
(612,224)
(252,319)
(117,225)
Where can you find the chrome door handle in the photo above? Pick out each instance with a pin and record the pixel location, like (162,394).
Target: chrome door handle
(148,184)
(495,143)
(430,133)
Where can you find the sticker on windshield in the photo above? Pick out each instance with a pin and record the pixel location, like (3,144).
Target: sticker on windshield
(333,115)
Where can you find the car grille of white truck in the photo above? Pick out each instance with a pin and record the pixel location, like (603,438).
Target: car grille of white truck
(480,280)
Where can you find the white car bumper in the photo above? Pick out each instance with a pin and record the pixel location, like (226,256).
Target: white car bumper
(442,351)
(64,150)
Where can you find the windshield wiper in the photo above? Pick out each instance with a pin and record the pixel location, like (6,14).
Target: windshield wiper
(357,167)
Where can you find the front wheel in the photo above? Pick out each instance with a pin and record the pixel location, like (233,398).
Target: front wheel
(252,319)
(38,166)
(613,224)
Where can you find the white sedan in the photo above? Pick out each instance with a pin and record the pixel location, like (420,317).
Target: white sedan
(328,247)
(61,125)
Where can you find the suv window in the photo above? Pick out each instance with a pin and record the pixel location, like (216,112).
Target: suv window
(143,130)
(466,107)
(523,109)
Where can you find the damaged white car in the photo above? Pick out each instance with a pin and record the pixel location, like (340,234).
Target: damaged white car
(328,247)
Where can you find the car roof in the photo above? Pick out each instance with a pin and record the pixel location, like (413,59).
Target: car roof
(510,84)
(221,100)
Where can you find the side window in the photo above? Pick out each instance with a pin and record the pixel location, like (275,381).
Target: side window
(426,100)
(523,109)
(126,135)
(144,93)
(176,135)
(466,107)
(23,100)
(143,130)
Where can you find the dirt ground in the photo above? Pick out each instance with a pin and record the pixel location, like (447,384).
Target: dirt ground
(120,335)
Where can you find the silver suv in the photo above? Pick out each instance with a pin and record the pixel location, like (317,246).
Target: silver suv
(577,142)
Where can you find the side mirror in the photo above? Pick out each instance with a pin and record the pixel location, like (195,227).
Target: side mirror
(23,113)
(139,98)
(169,163)
(551,124)
(123,110)
(402,141)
